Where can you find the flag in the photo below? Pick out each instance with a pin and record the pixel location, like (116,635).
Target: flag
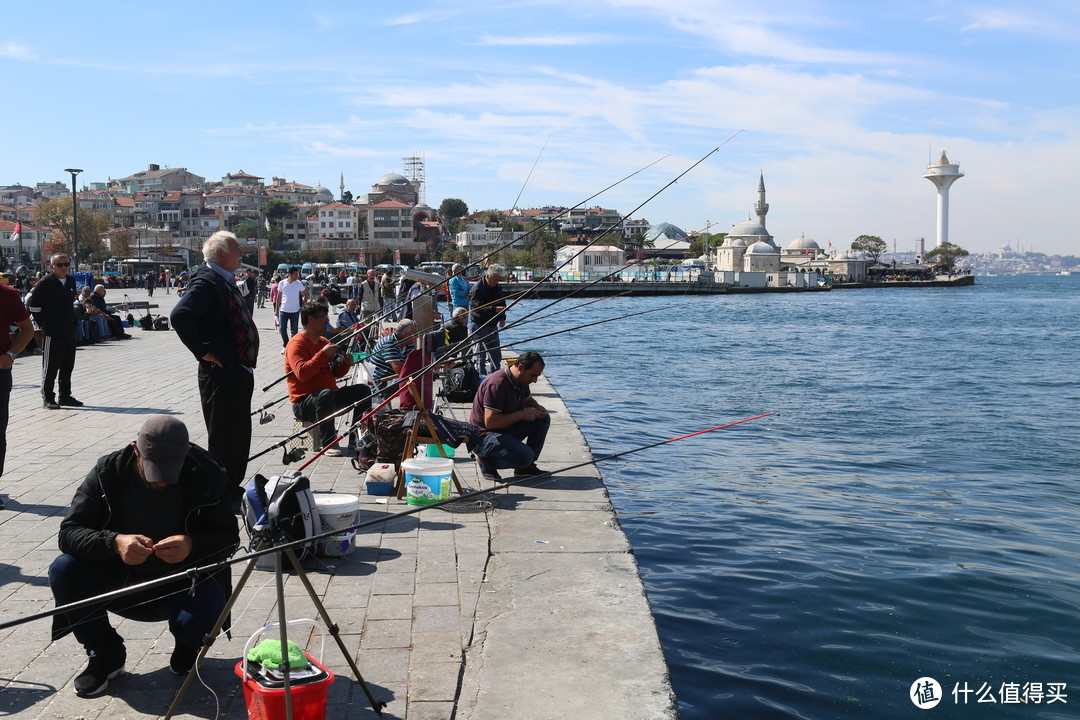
(15,236)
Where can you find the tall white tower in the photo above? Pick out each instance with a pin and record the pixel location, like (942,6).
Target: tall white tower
(761,208)
(944,174)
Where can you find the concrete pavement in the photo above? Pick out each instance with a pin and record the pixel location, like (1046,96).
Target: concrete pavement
(533,610)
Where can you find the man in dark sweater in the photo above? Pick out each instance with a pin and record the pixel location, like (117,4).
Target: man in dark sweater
(51,304)
(213,321)
(155,508)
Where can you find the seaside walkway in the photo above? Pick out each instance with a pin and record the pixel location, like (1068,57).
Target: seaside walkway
(532,610)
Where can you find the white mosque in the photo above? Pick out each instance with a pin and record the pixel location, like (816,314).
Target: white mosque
(750,257)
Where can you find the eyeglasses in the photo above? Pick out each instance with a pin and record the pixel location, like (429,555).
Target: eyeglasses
(67,264)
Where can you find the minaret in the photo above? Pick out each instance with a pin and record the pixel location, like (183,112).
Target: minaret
(761,208)
(944,174)
(342,186)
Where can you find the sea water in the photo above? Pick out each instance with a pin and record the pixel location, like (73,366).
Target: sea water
(911,510)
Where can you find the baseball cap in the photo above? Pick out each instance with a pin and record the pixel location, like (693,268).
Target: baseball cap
(163,444)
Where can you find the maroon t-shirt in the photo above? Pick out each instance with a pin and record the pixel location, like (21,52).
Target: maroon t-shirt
(12,311)
(498,392)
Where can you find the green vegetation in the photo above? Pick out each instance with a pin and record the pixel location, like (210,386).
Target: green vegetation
(869,245)
(947,254)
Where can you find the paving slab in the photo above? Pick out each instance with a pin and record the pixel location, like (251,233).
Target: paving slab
(447,614)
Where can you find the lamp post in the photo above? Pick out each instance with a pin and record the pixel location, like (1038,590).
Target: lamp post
(74,221)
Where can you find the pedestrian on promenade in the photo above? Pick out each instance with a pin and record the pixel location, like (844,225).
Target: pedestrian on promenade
(518,424)
(12,312)
(458,287)
(488,317)
(292,294)
(52,304)
(312,379)
(155,508)
(212,320)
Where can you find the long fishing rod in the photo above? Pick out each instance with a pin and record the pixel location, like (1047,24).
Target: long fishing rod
(192,573)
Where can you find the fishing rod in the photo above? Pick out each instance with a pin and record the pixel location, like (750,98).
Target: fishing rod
(192,573)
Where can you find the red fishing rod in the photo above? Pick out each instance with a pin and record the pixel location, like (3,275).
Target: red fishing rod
(192,573)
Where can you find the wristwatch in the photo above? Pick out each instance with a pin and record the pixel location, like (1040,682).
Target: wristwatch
(13,355)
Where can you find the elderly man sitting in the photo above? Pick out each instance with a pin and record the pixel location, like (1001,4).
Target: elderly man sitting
(116,325)
(389,354)
(314,364)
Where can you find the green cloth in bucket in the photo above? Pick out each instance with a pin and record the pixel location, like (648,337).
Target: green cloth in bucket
(268,654)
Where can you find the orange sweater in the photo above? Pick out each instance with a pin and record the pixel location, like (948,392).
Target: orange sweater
(310,367)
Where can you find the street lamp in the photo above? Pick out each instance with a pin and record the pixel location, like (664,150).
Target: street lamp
(74,221)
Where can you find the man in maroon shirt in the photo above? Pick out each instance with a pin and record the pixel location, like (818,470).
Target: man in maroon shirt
(519,425)
(12,312)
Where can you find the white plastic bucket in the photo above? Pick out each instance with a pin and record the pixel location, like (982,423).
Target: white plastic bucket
(336,512)
(427,480)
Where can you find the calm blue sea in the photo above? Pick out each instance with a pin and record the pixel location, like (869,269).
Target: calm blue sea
(911,511)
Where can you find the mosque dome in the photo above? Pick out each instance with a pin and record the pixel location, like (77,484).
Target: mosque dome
(803,243)
(393,179)
(323,194)
(730,242)
(671,232)
(749,228)
(760,248)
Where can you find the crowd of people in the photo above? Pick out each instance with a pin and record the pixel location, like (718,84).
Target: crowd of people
(161,504)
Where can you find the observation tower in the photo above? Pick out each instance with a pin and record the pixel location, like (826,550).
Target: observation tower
(944,174)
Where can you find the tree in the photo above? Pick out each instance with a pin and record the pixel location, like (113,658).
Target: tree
(56,213)
(121,243)
(277,209)
(451,211)
(947,254)
(346,197)
(870,245)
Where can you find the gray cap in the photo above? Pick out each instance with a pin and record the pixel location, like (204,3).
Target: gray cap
(163,445)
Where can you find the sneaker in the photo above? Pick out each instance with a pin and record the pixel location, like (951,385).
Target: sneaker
(182,659)
(69,401)
(528,471)
(99,671)
(487,472)
(2,504)
(50,404)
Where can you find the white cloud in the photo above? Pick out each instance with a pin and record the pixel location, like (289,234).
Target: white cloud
(16,51)
(542,40)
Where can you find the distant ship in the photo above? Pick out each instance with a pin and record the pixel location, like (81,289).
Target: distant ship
(1065,272)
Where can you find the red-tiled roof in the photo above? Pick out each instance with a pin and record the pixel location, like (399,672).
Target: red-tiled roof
(390,204)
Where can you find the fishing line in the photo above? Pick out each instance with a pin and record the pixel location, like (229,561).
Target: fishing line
(194,572)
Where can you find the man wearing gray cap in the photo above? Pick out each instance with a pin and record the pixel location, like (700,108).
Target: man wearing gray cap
(157,507)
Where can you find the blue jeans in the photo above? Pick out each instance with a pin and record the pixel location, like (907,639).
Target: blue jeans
(293,318)
(191,612)
(487,345)
(506,449)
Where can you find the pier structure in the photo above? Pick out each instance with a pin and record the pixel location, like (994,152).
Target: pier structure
(943,175)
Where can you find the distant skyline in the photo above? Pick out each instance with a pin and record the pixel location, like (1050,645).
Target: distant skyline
(842,105)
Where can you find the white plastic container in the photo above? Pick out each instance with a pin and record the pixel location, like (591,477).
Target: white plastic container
(427,480)
(336,512)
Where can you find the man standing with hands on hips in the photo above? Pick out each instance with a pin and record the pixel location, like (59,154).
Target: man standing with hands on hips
(212,320)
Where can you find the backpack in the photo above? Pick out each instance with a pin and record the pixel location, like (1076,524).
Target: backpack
(161,323)
(461,383)
(281,509)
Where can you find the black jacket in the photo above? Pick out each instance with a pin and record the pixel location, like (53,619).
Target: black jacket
(201,317)
(87,532)
(52,304)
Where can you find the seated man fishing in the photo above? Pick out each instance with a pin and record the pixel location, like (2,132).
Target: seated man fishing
(314,365)
(519,425)
(389,355)
(157,507)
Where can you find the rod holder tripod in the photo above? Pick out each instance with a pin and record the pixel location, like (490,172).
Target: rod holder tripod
(324,616)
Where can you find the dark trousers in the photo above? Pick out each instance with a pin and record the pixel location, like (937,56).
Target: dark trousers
(487,343)
(191,612)
(5,397)
(319,404)
(226,400)
(58,360)
(517,446)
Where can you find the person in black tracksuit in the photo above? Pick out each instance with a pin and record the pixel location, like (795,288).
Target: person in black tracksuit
(155,508)
(51,304)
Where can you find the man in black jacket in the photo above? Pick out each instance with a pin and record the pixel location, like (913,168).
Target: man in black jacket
(155,508)
(51,304)
(212,320)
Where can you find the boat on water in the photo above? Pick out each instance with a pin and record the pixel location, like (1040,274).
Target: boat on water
(1065,272)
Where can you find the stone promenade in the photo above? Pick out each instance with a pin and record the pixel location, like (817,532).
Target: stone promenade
(532,610)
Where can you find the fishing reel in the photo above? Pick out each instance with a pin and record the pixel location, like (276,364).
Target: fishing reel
(266,417)
(289,457)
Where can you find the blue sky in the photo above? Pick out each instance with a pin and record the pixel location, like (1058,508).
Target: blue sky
(841,104)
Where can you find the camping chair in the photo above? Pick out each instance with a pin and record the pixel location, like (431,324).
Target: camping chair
(422,424)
